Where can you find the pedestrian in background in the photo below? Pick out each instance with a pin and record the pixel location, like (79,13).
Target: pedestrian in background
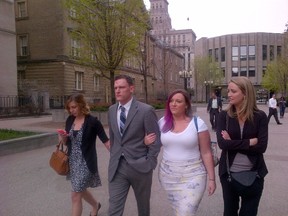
(131,161)
(282,106)
(187,156)
(242,135)
(273,109)
(81,131)
(213,108)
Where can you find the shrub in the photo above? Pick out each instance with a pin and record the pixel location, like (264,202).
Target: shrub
(100,107)
(158,105)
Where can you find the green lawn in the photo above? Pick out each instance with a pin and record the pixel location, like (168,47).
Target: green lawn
(6,134)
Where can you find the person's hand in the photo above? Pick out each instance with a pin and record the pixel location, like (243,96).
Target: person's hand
(225,135)
(149,138)
(253,141)
(211,187)
(107,145)
(62,135)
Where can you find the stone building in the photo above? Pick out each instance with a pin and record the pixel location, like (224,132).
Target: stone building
(8,65)
(46,57)
(183,41)
(246,54)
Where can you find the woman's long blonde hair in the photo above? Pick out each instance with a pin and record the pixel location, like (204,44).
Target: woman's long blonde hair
(249,105)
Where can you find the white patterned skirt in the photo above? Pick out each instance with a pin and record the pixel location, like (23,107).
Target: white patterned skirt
(185,183)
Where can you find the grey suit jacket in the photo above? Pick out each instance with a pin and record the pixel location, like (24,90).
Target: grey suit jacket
(141,120)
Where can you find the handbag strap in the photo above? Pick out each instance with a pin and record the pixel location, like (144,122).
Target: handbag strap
(60,146)
(227,158)
(196,122)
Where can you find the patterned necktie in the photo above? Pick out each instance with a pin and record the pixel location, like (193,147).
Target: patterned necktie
(122,119)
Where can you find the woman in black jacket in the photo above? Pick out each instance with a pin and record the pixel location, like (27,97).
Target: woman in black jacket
(81,131)
(242,134)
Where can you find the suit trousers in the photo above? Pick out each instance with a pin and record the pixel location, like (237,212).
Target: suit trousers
(119,187)
(250,197)
(274,112)
(214,113)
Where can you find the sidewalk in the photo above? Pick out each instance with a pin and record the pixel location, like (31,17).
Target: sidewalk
(30,187)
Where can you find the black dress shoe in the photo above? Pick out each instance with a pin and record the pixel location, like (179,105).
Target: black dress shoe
(279,123)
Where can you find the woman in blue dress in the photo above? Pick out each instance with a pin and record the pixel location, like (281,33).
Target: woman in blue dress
(81,131)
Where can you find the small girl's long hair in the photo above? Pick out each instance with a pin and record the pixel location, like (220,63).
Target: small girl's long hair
(168,117)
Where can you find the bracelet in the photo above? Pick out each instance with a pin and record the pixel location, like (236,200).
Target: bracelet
(211,179)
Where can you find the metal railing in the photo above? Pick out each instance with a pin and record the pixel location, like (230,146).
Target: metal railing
(57,102)
(18,105)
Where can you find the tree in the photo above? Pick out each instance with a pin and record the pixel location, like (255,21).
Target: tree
(207,72)
(109,32)
(143,45)
(276,75)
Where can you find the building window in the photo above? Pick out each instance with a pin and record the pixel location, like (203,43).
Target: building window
(243,53)
(79,80)
(210,53)
(243,71)
(216,54)
(234,71)
(264,71)
(251,72)
(21,76)
(75,48)
(279,50)
(251,52)
(23,45)
(21,9)
(96,82)
(222,54)
(271,52)
(264,52)
(235,53)
(153,89)
(72,12)
(142,87)
(223,72)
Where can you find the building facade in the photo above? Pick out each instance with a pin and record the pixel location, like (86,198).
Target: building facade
(245,54)
(46,56)
(183,41)
(8,65)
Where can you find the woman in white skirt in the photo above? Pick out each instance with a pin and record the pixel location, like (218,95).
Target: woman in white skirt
(187,158)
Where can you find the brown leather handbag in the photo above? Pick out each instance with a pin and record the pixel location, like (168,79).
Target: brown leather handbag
(59,160)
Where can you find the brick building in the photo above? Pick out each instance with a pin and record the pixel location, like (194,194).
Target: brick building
(8,65)
(45,57)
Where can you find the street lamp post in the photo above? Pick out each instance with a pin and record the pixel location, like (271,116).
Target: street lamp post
(208,83)
(185,75)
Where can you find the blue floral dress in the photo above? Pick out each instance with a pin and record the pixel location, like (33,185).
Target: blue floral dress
(80,176)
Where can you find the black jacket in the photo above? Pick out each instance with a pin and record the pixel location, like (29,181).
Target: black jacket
(219,104)
(258,128)
(91,129)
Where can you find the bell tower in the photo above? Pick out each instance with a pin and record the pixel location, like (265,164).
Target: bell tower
(159,16)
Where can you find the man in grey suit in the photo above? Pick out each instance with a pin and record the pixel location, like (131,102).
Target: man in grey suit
(131,161)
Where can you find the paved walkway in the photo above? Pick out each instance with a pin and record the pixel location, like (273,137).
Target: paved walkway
(29,187)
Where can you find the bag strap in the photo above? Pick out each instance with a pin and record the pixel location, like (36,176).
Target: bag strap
(196,122)
(227,158)
(60,146)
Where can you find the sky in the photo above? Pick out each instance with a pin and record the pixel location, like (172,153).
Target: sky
(211,18)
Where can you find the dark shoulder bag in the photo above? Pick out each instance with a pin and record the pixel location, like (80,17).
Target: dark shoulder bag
(246,178)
